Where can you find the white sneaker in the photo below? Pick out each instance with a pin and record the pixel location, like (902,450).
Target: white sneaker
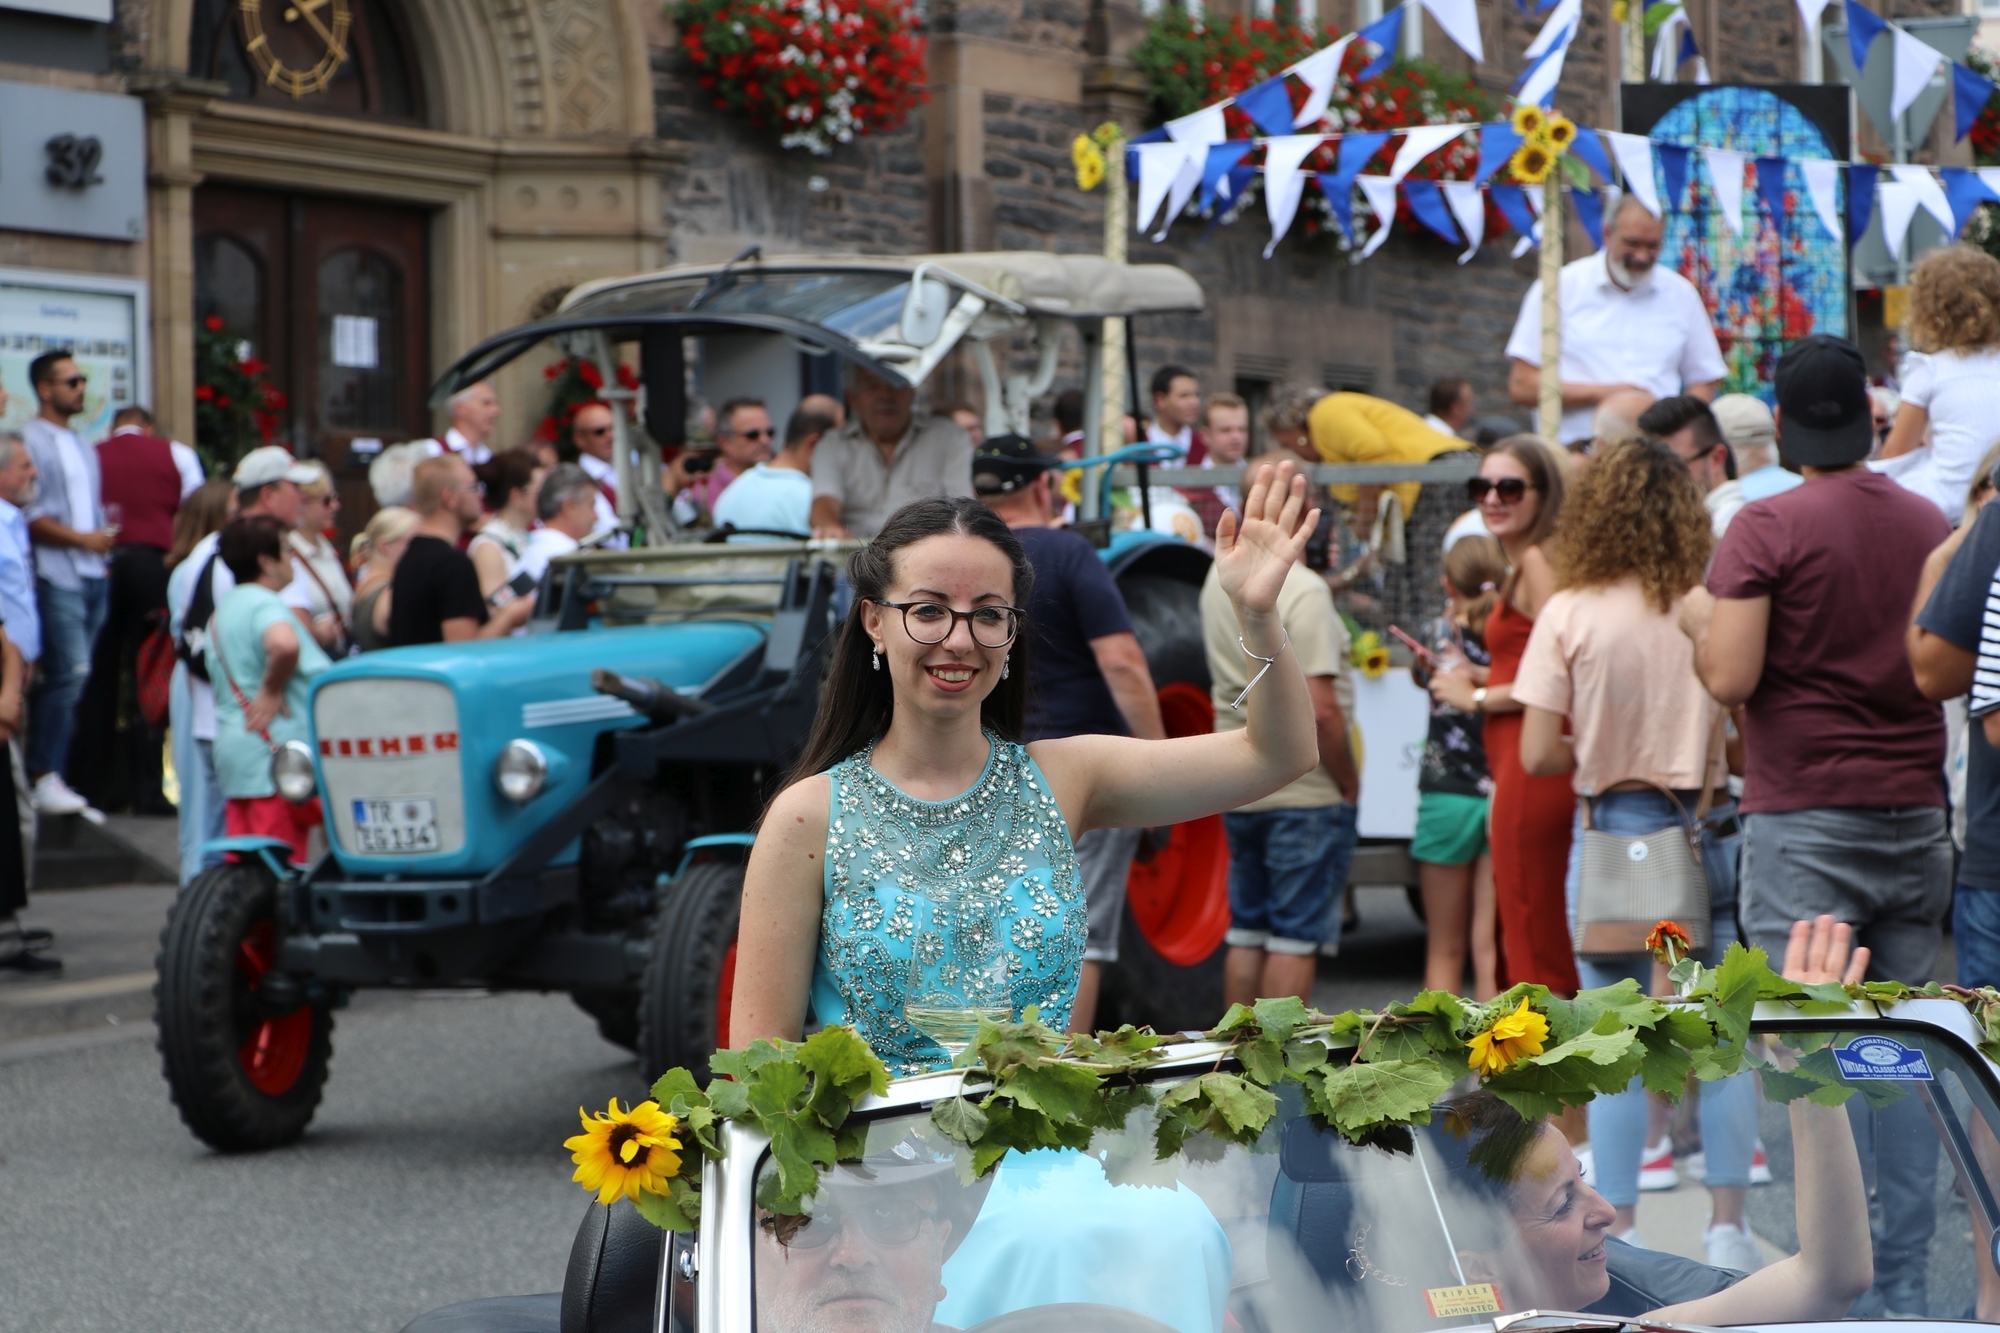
(95,816)
(1732,1246)
(53,797)
(1656,1168)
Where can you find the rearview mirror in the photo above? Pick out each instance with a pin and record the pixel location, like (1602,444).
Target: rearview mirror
(924,311)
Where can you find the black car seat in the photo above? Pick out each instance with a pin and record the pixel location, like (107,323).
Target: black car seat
(611,1285)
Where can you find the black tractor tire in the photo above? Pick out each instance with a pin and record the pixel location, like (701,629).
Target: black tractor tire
(693,932)
(219,939)
(616,1012)
(1166,618)
(1146,990)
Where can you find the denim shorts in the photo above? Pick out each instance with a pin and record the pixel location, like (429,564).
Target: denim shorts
(1286,870)
(1975,935)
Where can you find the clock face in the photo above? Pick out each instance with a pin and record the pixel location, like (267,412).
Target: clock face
(316,27)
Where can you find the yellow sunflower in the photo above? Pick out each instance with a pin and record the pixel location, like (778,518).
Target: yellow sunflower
(1531,163)
(1089,160)
(1560,132)
(1512,1038)
(1529,119)
(1370,654)
(625,1152)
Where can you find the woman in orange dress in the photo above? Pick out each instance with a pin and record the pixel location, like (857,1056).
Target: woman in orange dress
(1519,491)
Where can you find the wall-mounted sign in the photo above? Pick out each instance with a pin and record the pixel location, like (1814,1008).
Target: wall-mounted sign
(94,11)
(99,321)
(72,162)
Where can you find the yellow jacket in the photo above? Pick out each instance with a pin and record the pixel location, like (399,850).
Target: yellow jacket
(1358,428)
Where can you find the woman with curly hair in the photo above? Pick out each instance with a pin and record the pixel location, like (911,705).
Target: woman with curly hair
(1953,388)
(1644,750)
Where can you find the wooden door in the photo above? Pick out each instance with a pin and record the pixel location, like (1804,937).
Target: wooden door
(339,311)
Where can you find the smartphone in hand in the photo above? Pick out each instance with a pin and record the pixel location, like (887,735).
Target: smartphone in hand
(1425,657)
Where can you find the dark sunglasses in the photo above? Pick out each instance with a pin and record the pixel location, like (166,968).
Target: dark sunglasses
(599,430)
(884,1221)
(1509,489)
(762,433)
(74,381)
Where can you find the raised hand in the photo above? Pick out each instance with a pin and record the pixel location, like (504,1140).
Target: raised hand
(1818,951)
(1253,556)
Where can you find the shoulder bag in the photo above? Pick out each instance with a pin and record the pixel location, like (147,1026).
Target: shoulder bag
(1628,885)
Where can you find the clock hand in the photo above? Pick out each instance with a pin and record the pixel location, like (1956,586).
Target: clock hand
(306,8)
(305,11)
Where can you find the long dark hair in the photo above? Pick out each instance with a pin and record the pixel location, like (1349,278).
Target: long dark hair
(859,700)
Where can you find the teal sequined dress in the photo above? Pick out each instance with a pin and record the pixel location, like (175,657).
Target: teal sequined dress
(998,853)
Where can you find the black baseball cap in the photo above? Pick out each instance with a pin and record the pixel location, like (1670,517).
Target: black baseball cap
(1003,464)
(1823,413)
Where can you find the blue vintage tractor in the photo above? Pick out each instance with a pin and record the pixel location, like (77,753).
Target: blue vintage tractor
(570,810)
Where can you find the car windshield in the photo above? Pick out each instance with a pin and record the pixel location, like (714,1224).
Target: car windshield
(1477,1214)
(860,305)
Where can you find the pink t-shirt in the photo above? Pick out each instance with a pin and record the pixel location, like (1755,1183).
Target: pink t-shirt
(1624,675)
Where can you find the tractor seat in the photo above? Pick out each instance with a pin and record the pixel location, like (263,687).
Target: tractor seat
(610,1287)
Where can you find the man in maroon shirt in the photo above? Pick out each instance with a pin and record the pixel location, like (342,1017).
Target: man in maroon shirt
(1802,626)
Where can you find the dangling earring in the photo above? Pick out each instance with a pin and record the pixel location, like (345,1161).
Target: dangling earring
(1006,665)
(875,658)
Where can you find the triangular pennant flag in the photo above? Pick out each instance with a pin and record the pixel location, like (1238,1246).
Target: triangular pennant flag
(1666,60)
(1588,147)
(1387,34)
(1899,205)
(1159,164)
(1970,92)
(1430,209)
(1929,194)
(1497,143)
(1809,15)
(1860,199)
(1635,159)
(1202,127)
(1284,182)
(1186,181)
(1534,196)
(1340,200)
(1863,27)
(1538,87)
(1674,172)
(1689,51)
(1568,12)
(1725,178)
(1419,142)
(1468,209)
(1269,105)
(1355,152)
(1380,192)
(1460,21)
(1991,175)
(1916,61)
(1589,206)
(1822,177)
(1513,206)
(1320,72)
(1966,192)
(1215,171)
(1771,189)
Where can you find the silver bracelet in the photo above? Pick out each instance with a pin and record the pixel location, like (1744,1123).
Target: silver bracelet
(1268,662)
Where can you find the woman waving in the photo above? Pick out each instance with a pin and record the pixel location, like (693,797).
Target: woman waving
(920,869)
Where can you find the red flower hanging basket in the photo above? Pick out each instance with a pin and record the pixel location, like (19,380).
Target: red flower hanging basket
(817,72)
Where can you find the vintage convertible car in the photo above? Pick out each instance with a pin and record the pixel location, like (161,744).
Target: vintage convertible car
(1304,1231)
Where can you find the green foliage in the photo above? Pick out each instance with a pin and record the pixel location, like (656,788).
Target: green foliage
(1366,1074)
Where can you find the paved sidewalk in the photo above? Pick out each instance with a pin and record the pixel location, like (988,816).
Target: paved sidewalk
(106,938)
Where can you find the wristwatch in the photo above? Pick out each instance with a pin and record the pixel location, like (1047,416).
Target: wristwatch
(1479,700)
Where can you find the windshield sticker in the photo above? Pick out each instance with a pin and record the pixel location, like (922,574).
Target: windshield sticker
(1879,1057)
(1451,1302)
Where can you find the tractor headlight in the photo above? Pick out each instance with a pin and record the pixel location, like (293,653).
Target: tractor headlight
(521,772)
(292,771)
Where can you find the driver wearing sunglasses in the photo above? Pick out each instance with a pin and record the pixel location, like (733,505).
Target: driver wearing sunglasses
(869,1258)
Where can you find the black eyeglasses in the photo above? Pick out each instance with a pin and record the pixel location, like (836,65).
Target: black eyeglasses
(1509,489)
(933,622)
(883,1221)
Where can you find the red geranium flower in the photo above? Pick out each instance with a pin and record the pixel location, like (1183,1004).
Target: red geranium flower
(213,323)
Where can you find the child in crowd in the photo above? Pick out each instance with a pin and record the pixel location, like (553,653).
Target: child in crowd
(1450,847)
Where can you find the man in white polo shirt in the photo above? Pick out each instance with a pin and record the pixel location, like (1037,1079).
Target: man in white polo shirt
(1627,323)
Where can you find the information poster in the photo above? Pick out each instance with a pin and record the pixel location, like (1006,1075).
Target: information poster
(1392,718)
(99,321)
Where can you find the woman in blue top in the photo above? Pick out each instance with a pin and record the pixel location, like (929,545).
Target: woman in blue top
(918,833)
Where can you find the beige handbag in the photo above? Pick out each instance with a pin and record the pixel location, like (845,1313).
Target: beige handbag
(1628,885)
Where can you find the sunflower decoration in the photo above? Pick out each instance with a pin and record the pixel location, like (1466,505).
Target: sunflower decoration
(1529,120)
(1087,152)
(1532,162)
(625,1152)
(1546,138)
(1369,654)
(1509,1040)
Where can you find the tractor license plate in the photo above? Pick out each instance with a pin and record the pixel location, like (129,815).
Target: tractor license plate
(406,824)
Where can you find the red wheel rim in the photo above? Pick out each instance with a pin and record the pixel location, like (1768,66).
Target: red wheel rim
(725,996)
(1180,897)
(273,1053)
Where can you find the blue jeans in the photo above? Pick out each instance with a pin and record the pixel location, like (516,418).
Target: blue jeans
(1618,1123)
(1975,933)
(1287,869)
(201,804)
(70,621)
